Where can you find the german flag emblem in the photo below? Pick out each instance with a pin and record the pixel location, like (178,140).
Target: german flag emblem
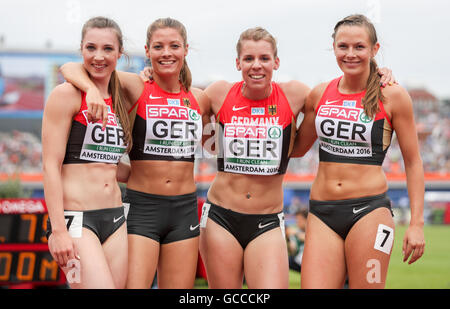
(272,110)
(186,102)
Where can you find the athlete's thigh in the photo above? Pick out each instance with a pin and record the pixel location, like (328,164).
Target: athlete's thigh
(323,262)
(223,257)
(368,248)
(116,252)
(178,264)
(266,261)
(143,253)
(93,272)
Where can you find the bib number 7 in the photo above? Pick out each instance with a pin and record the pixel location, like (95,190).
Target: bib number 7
(384,239)
(74,223)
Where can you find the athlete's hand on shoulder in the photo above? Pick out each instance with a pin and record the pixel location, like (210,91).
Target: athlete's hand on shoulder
(146,74)
(62,248)
(97,108)
(413,243)
(386,77)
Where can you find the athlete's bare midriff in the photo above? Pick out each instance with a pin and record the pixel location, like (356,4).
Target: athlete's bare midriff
(90,186)
(339,181)
(247,193)
(162,177)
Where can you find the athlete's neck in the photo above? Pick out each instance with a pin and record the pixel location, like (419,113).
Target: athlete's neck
(169,84)
(353,83)
(256,94)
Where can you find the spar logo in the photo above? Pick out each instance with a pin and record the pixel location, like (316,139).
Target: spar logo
(193,115)
(364,118)
(242,131)
(172,112)
(274,132)
(338,112)
(167,112)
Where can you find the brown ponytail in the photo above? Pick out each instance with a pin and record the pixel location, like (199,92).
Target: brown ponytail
(119,106)
(186,76)
(114,87)
(373,89)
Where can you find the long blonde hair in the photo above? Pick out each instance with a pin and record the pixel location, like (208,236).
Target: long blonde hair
(185,73)
(114,87)
(373,89)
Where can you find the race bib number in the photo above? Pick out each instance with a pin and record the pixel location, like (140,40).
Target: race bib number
(282,225)
(384,239)
(205,212)
(74,223)
(172,130)
(103,145)
(252,149)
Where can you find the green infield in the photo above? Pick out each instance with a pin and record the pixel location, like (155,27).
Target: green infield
(432,271)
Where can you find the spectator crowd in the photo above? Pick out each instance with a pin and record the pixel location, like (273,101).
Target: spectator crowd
(21,152)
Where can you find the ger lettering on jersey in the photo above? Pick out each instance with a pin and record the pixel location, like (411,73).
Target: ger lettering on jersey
(255,137)
(346,134)
(168,126)
(89,143)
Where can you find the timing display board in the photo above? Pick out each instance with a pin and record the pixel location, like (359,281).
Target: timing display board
(24,255)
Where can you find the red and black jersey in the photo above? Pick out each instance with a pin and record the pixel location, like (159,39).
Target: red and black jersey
(256,137)
(168,126)
(89,143)
(346,134)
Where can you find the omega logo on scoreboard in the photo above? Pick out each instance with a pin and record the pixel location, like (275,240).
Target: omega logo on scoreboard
(24,255)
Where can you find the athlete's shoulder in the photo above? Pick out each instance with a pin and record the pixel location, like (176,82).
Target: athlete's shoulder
(394,91)
(66,89)
(219,86)
(321,87)
(199,94)
(294,87)
(396,98)
(296,93)
(217,93)
(201,98)
(197,91)
(64,98)
(318,91)
(64,94)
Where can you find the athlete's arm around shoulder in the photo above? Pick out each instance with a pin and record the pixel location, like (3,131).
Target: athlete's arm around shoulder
(217,92)
(76,74)
(306,133)
(133,86)
(296,93)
